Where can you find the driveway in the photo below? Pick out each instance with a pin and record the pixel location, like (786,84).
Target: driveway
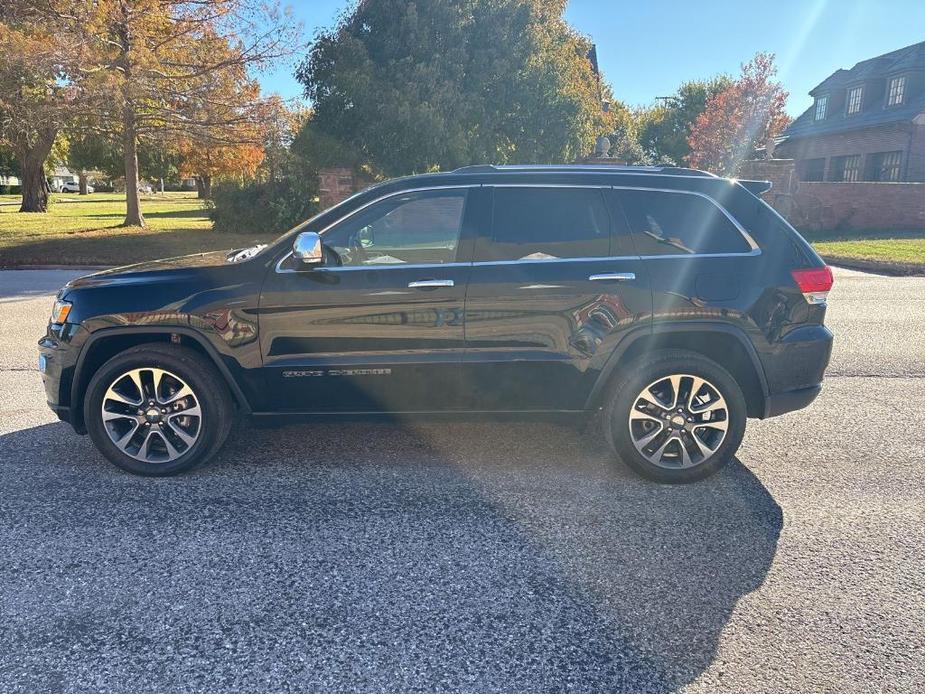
(476,557)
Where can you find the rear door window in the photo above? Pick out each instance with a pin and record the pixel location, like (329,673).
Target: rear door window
(675,223)
(546,223)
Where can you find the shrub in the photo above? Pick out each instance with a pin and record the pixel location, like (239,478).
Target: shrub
(272,206)
(10,190)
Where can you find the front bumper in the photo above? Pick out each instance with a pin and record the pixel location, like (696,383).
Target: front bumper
(59,349)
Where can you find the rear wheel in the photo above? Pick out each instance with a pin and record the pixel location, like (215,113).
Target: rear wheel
(157,409)
(675,417)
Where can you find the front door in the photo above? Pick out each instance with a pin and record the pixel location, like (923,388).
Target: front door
(554,287)
(379,326)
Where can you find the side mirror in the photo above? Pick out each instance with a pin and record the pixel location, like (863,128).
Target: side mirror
(307,248)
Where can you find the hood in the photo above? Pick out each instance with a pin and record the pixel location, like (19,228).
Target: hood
(156,270)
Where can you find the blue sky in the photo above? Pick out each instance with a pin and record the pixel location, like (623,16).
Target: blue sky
(647,47)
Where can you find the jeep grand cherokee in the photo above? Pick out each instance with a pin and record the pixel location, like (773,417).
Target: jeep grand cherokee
(673,303)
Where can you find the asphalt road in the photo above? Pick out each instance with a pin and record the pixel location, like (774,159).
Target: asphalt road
(476,557)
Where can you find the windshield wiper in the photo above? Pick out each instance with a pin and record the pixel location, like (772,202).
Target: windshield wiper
(245,253)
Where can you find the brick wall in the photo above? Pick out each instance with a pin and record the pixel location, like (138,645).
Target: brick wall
(338,183)
(916,165)
(905,137)
(780,172)
(335,184)
(862,206)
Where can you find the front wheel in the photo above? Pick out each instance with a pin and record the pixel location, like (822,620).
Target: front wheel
(675,417)
(157,409)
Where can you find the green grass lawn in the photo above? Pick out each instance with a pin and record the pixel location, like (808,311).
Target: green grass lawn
(86,230)
(878,246)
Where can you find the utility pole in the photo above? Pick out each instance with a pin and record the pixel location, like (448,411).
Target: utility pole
(592,56)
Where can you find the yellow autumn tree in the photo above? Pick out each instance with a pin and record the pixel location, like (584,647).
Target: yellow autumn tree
(164,64)
(35,101)
(206,161)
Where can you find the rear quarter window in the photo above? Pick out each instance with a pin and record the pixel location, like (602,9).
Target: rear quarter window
(677,223)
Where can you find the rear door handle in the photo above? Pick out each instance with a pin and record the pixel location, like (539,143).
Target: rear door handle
(430,284)
(613,277)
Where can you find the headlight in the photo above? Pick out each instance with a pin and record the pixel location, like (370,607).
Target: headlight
(60,311)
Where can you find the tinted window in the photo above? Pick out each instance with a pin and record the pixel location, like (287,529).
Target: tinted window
(812,170)
(547,223)
(678,223)
(413,228)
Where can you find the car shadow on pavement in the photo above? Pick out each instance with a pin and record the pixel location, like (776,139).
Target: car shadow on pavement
(475,557)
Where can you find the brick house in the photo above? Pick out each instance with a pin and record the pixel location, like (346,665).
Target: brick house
(865,124)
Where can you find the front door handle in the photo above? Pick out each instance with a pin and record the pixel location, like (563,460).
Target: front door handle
(430,284)
(613,277)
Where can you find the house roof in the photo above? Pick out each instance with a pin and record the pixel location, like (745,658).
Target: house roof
(901,60)
(896,62)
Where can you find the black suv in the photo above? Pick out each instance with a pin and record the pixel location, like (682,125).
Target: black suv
(675,303)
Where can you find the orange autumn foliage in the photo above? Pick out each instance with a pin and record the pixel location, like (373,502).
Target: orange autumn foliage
(219,160)
(745,115)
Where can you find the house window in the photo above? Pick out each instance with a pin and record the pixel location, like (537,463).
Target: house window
(812,170)
(897,92)
(885,166)
(854,100)
(820,107)
(846,169)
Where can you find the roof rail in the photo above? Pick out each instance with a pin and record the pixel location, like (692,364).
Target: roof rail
(562,168)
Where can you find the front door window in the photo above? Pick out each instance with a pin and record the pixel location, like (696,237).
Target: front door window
(406,229)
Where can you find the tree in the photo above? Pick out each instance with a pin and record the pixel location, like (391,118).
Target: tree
(8,164)
(89,151)
(159,158)
(163,64)
(281,126)
(233,151)
(205,162)
(746,114)
(35,101)
(624,139)
(665,128)
(416,86)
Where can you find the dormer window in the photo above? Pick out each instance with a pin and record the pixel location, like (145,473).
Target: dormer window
(855,95)
(820,107)
(897,92)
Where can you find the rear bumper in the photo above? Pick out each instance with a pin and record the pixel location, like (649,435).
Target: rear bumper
(781,403)
(795,369)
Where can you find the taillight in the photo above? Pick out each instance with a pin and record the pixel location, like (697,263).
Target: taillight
(815,283)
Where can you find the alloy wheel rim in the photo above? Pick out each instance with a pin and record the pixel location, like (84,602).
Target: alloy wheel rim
(679,421)
(151,415)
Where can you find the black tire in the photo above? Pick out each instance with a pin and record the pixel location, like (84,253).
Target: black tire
(624,394)
(218,410)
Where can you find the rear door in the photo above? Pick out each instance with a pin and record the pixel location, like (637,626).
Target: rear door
(703,265)
(379,326)
(554,286)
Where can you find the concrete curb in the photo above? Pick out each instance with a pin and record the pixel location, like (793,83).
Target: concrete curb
(76,268)
(883,267)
